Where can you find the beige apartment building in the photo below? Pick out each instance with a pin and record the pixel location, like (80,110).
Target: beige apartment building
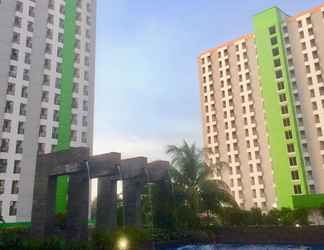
(262,102)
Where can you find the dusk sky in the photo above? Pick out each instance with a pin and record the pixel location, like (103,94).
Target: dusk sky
(147,88)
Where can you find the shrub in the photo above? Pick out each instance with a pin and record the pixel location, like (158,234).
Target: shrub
(322,210)
(272,218)
(301,216)
(101,240)
(135,237)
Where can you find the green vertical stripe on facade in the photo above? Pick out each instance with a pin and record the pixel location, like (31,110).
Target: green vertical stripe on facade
(276,130)
(65,113)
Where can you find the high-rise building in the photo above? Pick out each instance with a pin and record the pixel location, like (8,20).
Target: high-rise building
(262,100)
(47,63)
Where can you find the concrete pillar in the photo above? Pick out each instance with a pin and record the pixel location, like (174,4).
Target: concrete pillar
(106,217)
(78,207)
(132,189)
(43,213)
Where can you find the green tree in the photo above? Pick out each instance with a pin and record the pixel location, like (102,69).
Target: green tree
(194,190)
(301,216)
(287,217)
(272,217)
(255,217)
(322,210)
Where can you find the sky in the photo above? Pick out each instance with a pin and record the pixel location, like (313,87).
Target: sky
(147,88)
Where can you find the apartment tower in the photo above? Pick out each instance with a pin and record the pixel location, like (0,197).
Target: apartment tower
(262,100)
(47,63)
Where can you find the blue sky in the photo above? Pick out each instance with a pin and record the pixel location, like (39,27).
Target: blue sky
(147,89)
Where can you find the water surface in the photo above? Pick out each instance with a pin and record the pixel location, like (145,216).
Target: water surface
(242,247)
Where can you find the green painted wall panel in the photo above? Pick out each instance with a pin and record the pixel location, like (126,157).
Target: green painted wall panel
(276,130)
(65,113)
(308,201)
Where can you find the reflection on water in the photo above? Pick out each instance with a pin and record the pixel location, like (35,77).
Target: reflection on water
(244,247)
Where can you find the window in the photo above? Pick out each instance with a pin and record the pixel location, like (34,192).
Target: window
(74,136)
(55,133)
(282,97)
(6,127)
(26,76)
(288,135)
(18,22)
(275,51)
(43,114)
(2,186)
(41,148)
(84,138)
(17,167)
(292,161)
(280,85)
(85,106)
(13,71)
(290,148)
(16,38)
(274,40)
(14,54)
(3,165)
(277,62)
(30,26)
(279,74)
(84,121)
(295,175)
(29,43)
(42,131)
(272,30)
(4,147)
(14,187)
(9,107)
(284,109)
(57,99)
(13,208)
(27,59)
(24,92)
(297,189)
(19,147)
(20,129)
(56,116)
(31,11)
(286,122)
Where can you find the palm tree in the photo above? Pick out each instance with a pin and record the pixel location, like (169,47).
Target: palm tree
(192,181)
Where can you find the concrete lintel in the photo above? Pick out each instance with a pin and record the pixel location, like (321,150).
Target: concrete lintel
(157,170)
(133,167)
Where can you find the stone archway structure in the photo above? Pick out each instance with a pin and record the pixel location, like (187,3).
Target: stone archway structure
(81,167)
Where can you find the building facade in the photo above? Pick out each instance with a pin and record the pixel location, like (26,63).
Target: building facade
(47,68)
(262,100)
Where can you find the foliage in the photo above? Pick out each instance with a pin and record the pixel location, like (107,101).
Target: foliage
(300,216)
(195,194)
(286,217)
(322,210)
(105,240)
(232,217)
(272,218)
(255,217)
(17,239)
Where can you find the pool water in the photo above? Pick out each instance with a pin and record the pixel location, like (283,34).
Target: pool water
(242,247)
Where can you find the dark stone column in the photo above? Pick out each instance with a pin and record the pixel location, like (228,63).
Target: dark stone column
(44,198)
(132,189)
(106,217)
(78,207)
